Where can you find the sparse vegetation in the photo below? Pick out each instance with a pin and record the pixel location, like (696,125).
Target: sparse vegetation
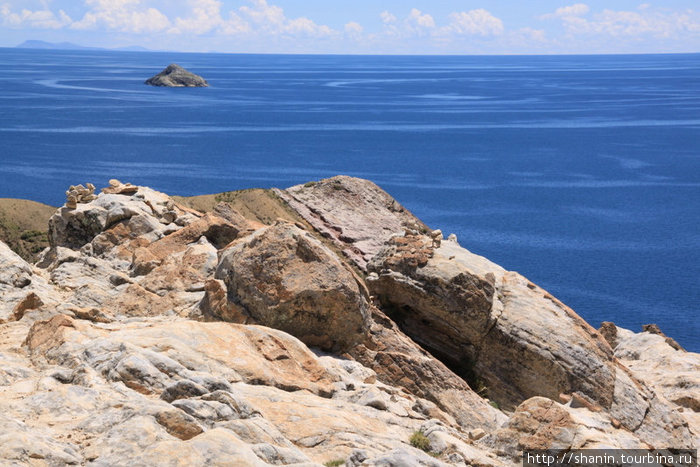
(480,387)
(23,226)
(227,196)
(420,441)
(309,184)
(256,204)
(495,405)
(335,463)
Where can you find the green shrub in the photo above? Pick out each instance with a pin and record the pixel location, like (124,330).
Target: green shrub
(307,185)
(34,236)
(420,441)
(335,463)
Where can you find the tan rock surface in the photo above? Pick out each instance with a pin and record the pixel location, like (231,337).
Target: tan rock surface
(96,394)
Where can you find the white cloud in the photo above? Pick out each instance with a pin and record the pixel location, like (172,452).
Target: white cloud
(645,21)
(577,9)
(272,20)
(123,16)
(631,23)
(387,17)
(475,22)
(354,29)
(530,35)
(234,25)
(307,27)
(418,20)
(39,19)
(415,24)
(262,25)
(206,17)
(270,16)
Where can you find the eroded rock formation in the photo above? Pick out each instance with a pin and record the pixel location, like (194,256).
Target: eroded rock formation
(153,334)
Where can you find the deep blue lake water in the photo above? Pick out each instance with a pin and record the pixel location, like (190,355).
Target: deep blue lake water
(582,173)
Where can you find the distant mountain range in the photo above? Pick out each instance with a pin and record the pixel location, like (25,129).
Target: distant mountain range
(36,44)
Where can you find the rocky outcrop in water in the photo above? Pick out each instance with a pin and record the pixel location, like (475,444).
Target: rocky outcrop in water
(153,334)
(174,76)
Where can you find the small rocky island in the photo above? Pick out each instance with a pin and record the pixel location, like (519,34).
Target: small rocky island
(174,76)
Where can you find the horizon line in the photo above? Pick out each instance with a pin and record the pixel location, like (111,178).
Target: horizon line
(119,49)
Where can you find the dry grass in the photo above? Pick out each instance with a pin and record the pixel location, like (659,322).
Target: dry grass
(24,226)
(27,215)
(255,204)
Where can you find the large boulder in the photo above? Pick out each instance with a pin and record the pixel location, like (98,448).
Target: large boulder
(509,338)
(488,324)
(355,214)
(283,277)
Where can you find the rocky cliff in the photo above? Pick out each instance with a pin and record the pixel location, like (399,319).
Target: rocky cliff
(344,333)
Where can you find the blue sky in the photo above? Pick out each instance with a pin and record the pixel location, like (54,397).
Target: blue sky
(360,26)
